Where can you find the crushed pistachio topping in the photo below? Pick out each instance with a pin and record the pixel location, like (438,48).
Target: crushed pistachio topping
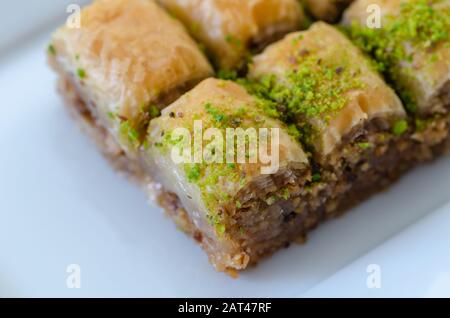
(421,124)
(192,172)
(129,133)
(220,228)
(213,179)
(312,89)
(364,145)
(400,127)
(316,177)
(219,116)
(242,56)
(111,115)
(209,179)
(285,194)
(154,111)
(419,27)
(51,49)
(233,40)
(227,74)
(81,73)
(133,131)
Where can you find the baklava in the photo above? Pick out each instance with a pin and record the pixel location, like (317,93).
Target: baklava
(238,209)
(309,127)
(230,29)
(126,61)
(346,116)
(411,46)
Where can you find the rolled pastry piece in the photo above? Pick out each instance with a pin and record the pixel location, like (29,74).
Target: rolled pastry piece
(230,28)
(125,61)
(411,46)
(238,209)
(320,81)
(326,10)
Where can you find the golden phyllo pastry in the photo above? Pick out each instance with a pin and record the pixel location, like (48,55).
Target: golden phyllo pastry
(127,60)
(237,206)
(229,28)
(323,83)
(411,44)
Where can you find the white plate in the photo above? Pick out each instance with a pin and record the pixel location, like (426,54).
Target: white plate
(61,204)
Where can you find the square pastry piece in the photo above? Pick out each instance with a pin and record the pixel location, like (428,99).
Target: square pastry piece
(239,209)
(344,113)
(412,47)
(126,61)
(230,28)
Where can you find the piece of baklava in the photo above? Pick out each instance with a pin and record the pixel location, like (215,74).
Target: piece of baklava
(232,176)
(345,115)
(229,29)
(410,40)
(412,46)
(326,10)
(127,60)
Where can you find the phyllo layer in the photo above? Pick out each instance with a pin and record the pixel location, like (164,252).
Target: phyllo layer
(411,46)
(229,28)
(238,206)
(127,60)
(322,83)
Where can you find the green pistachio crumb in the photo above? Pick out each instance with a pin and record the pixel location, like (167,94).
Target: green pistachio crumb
(421,124)
(220,228)
(81,73)
(217,115)
(51,49)
(364,145)
(146,144)
(193,172)
(128,132)
(154,111)
(308,92)
(400,127)
(285,194)
(316,177)
(234,41)
(293,131)
(111,115)
(297,39)
(227,74)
